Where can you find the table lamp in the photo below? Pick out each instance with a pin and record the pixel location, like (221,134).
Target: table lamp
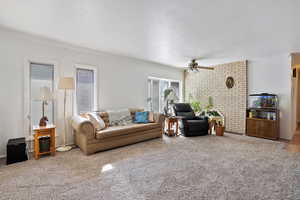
(45,95)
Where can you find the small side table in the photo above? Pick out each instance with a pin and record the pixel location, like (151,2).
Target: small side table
(170,123)
(40,131)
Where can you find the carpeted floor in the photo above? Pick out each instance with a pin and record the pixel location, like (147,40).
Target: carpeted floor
(209,167)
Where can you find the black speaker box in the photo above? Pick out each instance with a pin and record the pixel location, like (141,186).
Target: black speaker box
(16,150)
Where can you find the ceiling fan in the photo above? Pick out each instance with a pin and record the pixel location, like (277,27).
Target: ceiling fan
(194,67)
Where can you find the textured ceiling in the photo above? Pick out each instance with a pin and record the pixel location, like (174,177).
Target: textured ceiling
(164,31)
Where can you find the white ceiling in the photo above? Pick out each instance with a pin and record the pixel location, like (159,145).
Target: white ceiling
(164,31)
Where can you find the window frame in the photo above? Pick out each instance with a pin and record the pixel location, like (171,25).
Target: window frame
(27,123)
(169,85)
(94,69)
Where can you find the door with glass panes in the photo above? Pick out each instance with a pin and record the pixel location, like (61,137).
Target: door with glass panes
(156,88)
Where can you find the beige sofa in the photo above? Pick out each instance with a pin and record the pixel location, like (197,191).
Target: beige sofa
(90,141)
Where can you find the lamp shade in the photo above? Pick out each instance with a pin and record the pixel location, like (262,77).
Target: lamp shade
(66,83)
(45,94)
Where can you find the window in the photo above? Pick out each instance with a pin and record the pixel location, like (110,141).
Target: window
(41,75)
(156,88)
(85,90)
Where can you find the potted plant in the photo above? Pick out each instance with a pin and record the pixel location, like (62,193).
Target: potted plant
(220,129)
(196,105)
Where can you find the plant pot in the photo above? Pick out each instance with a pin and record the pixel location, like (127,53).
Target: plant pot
(220,130)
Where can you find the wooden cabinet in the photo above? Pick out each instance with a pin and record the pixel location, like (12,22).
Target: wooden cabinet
(263,116)
(41,131)
(263,128)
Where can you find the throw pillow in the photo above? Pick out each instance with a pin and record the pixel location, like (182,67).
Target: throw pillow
(133,111)
(119,118)
(141,117)
(151,117)
(105,117)
(97,121)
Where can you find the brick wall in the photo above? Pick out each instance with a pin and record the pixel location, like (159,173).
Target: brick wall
(231,102)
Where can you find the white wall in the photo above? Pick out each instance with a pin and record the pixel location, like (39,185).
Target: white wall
(273,75)
(122,81)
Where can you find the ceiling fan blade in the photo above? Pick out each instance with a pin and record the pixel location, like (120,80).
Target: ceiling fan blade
(198,58)
(208,68)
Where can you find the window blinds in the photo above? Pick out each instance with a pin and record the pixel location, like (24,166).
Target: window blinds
(85,90)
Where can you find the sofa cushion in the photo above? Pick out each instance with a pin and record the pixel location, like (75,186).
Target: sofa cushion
(125,130)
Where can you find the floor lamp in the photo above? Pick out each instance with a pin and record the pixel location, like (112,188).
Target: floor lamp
(65,83)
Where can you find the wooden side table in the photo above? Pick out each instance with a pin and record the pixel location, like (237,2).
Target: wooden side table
(170,123)
(40,131)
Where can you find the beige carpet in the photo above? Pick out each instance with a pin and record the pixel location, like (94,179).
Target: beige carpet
(209,167)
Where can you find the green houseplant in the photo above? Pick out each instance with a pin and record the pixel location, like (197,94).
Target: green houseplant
(196,105)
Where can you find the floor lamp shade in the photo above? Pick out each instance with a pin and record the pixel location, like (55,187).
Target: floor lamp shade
(66,83)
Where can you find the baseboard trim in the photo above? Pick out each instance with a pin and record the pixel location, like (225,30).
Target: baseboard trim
(234,133)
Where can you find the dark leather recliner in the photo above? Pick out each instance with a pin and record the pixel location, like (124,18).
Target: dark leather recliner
(189,124)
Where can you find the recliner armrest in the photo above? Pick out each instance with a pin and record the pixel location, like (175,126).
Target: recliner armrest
(193,118)
(202,118)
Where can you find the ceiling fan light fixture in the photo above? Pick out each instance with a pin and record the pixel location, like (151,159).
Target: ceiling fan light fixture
(192,67)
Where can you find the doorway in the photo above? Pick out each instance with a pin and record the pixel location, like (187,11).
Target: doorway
(294,144)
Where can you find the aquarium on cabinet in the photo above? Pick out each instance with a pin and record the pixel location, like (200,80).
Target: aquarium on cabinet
(263,100)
